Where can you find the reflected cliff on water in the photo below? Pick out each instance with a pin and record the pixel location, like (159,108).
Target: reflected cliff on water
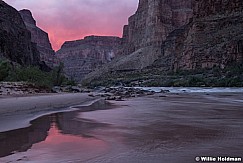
(59,125)
(22,139)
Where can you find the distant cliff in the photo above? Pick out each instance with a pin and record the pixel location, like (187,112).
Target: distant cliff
(80,57)
(41,38)
(15,39)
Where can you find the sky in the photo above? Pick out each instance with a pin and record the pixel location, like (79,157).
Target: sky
(66,20)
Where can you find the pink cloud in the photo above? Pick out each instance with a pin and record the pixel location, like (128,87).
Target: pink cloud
(74,19)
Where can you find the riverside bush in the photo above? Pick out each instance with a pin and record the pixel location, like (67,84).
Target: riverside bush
(32,74)
(4,69)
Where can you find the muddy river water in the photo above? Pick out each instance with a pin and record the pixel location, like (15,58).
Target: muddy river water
(156,129)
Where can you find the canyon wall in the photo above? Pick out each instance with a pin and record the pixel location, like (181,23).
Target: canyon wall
(15,39)
(214,37)
(80,57)
(165,36)
(153,21)
(41,38)
(145,33)
(147,29)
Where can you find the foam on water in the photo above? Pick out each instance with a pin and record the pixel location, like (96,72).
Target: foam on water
(194,89)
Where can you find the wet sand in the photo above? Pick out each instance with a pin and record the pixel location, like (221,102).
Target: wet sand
(160,128)
(16,112)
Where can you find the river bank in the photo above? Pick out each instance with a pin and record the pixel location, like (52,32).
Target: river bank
(171,127)
(16,112)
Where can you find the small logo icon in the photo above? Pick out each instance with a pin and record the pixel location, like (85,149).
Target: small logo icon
(197,159)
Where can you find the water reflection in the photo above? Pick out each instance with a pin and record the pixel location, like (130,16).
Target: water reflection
(54,132)
(147,129)
(22,139)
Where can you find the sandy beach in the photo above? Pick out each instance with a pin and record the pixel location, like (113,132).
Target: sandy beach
(16,112)
(151,129)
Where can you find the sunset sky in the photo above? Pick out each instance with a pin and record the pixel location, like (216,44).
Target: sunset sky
(73,19)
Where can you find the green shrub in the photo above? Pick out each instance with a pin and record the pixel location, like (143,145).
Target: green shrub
(32,75)
(196,81)
(4,69)
(36,76)
(71,82)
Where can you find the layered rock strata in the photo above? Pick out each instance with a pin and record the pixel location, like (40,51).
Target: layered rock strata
(212,39)
(80,57)
(15,39)
(147,29)
(179,35)
(41,38)
(153,21)
(145,33)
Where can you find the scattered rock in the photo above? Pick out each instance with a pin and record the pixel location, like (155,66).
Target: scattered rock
(76,89)
(91,95)
(20,88)
(164,91)
(114,98)
(70,89)
(56,89)
(119,93)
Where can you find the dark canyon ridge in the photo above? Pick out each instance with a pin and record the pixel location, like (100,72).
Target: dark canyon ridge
(15,39)
(41,38)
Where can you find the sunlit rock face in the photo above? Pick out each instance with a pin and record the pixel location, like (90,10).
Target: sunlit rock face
(15,39)
(40,37)
(214,37)
(80,57)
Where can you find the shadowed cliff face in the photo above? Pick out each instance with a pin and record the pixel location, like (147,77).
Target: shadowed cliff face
(213,38)
(206,8)
(80,57)
(213,23)
(15,39)
(41,38)
(153,21)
